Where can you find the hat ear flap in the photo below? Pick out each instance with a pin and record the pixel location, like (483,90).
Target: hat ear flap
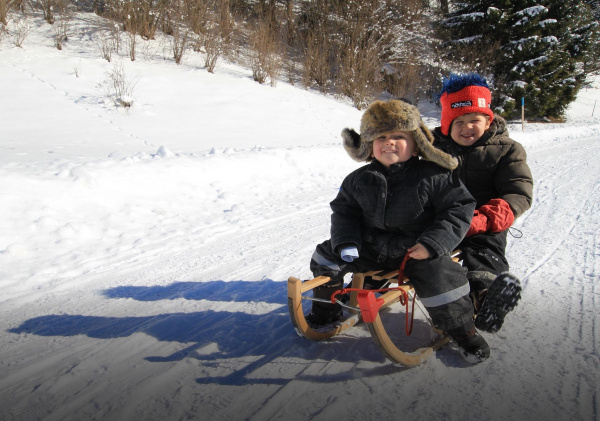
(424,139)
(357,149)
(426,132)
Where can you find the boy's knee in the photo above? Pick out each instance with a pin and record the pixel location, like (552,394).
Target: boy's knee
(438,267)
(325,264)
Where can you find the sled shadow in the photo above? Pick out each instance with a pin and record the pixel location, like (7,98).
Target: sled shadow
(249,342)
(266,291)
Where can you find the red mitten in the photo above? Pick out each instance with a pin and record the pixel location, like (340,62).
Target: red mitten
(479,224)
(499,215)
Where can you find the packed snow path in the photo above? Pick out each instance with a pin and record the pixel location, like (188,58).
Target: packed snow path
(194,321)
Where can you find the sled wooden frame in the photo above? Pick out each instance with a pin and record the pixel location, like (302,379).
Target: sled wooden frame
(296,288)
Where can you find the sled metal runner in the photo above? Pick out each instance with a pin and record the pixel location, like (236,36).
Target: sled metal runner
(371,315)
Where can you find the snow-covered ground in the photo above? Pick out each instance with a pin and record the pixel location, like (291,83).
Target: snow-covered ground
(144,254)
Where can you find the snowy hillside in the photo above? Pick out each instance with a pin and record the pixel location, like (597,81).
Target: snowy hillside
(144,254)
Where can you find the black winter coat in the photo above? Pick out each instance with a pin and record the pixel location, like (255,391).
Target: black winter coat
(493,167)
(391,210)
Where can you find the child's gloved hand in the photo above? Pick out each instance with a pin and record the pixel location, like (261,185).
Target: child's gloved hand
(349,254)
(478,224)
(499,214)
(495,216)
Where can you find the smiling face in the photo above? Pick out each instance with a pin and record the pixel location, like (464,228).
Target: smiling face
(468,128)
(394,147)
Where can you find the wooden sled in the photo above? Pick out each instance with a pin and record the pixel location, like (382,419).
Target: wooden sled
(368,312)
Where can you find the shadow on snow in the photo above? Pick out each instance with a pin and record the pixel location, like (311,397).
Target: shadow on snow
(236,334)
(266,291)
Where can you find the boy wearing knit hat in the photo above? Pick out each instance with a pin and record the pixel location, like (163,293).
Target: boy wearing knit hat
(405,201)
(494,169)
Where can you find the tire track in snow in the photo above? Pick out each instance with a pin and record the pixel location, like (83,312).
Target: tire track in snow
(563,221)
(588,394)
(556,183)
(587,321)
(580,316)
(564,239)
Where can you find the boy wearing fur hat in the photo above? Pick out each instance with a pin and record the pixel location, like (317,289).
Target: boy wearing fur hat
(396,205)
(494,169)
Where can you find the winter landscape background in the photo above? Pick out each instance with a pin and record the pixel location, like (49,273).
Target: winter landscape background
(144,254)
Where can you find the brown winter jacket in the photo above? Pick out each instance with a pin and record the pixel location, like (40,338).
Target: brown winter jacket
(389,211)
(493,167)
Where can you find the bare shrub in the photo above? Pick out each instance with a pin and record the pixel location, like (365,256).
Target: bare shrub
(198,14)
(150,50)
(48,7)
(265,62)
(5,6)
(48,10)
(365,44)
(345,45)
(20,5)
(115,32)
(77,69)
(176,25)
(290,26)
(132,44)
(8,5)
(139,17)
(358,76)
(316,61)
(213,24)
(118,87)
(109,41)
(225,20)
(213,47)
(178,43)
(225,28)
(106,46)
(316,32)
(61,28)
(21,30)
(405,80)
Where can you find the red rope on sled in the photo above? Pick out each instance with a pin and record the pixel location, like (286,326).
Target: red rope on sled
(401,269)
(403,298)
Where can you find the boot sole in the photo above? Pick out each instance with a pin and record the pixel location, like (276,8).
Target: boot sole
(501,298)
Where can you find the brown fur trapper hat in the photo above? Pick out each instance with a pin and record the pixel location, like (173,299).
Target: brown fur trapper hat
(388,116)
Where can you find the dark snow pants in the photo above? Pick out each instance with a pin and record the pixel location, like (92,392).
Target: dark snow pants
(483,256)
(439,282)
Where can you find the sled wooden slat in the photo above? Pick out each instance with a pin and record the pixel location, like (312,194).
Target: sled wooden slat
(296,288)
(313,283)
(397,356)
(384,342)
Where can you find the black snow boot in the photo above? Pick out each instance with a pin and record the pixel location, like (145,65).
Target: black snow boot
(473,348)
(479,282)
(501,297)
(323,313)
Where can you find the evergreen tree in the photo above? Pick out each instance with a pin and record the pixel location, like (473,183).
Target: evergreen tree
(539,50)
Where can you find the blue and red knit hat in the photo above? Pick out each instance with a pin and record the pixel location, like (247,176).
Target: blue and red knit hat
(463,94)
